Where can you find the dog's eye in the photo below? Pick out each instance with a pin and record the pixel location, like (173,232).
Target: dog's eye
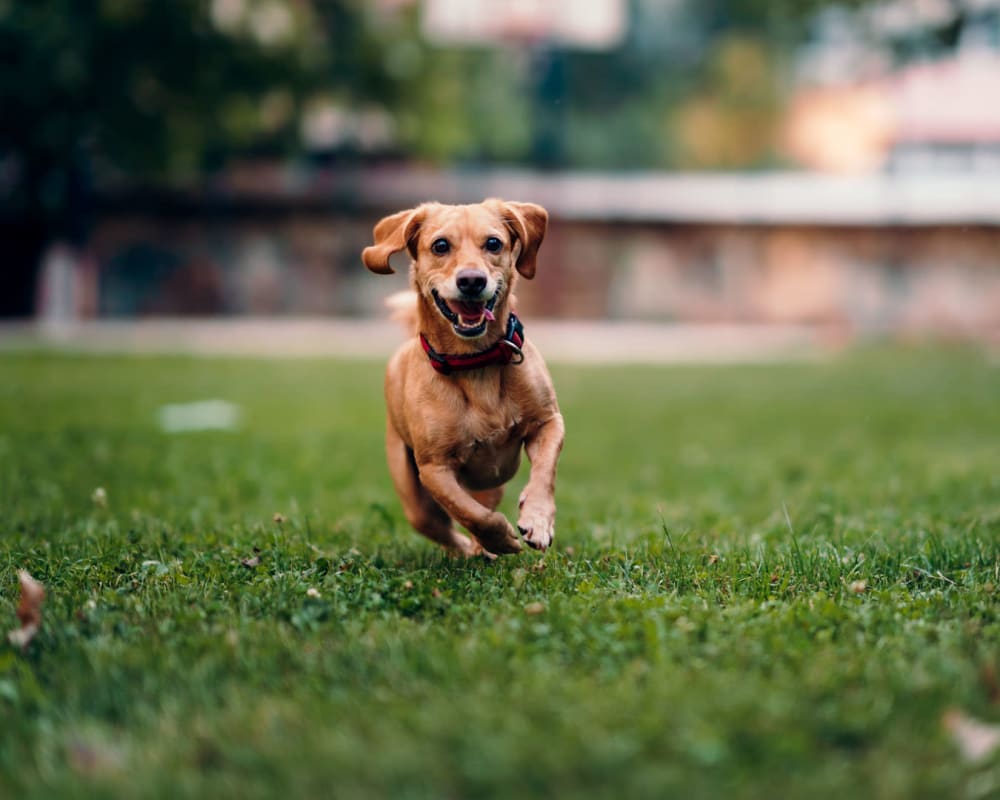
(440,246)
(494,245)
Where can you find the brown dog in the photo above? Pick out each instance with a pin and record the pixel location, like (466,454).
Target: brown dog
(467,391)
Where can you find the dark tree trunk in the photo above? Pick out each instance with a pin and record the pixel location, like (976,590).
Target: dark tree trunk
(22,244)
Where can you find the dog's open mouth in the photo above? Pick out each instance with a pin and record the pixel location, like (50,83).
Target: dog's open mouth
(469,318)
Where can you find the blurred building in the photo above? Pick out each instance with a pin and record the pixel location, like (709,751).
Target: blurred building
(877,89)
(942,121)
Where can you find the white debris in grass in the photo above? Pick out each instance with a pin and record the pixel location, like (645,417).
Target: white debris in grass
(202,415)
(975,739)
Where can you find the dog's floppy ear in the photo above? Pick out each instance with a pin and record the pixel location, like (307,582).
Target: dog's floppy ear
(528,223)
(392,234)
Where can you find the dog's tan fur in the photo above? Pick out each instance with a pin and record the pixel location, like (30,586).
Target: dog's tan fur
(453,441)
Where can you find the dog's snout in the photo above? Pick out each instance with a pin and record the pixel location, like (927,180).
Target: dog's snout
(470,282)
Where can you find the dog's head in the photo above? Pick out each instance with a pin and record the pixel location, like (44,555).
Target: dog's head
(465,258)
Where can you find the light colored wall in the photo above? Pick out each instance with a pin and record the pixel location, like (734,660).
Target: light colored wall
(940,279)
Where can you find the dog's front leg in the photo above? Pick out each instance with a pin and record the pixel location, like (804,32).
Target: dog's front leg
(537,521)
(490,528)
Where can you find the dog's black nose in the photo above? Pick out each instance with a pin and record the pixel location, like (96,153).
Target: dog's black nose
(470,282)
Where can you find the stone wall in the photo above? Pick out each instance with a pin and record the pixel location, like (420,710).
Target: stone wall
(940,279)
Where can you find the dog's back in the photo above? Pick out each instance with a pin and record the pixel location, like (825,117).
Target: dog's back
(403,308)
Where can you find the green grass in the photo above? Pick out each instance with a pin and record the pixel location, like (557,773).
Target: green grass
(700,634)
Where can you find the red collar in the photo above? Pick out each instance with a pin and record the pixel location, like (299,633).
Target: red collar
(506,351)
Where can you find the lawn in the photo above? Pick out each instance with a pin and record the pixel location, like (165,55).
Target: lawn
(767,582)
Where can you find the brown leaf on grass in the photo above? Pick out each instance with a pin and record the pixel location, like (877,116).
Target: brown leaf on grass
(976,740)
(94,759)
(988,677)
(534,608)
(29,610)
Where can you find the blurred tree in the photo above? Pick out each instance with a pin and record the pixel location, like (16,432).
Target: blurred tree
(162,90)
(730,122)
(695,84)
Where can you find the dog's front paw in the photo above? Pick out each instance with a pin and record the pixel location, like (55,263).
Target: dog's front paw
(537,523)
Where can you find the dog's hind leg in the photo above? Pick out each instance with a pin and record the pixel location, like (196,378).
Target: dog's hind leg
(421,510)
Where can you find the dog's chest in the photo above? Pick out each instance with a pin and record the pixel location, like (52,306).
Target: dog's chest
(487,431)
(490,450)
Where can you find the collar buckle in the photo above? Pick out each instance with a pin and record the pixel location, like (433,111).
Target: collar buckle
(516,353)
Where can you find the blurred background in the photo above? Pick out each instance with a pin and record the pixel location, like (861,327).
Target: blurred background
(828,165)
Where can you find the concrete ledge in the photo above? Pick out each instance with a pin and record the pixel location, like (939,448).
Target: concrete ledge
(767,198)
(567,342)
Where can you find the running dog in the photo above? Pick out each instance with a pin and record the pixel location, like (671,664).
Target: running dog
(468,391)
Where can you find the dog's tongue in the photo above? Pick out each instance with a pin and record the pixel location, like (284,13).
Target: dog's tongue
(471,311)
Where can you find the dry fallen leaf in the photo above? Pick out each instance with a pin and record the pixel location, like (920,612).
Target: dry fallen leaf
(976,740)
(94,758)
(713,559)
(534,608)
(988,677)
(29,610)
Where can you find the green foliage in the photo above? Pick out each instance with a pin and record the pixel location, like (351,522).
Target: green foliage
(170,90)
(769,581)
(148,88)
